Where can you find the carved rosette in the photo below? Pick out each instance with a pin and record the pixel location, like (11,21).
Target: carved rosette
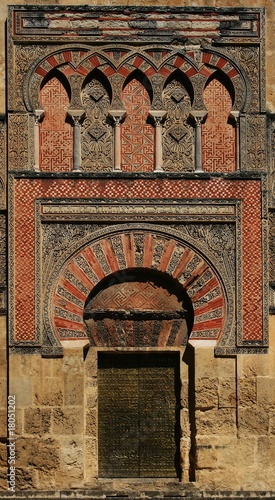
(178,140)
(97,136)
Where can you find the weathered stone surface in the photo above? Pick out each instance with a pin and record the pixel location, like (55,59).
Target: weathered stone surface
(74,390)
(3,392)
(49,391)
(68,420)
(219,479)
(227,392)
(91,423)
(247,391)
(91,457)
(3,455)
(3,423)
(252,421)
(37,421)
(26,479)
(266,392)
(91,396)
(251,366)
(206,393)
(22,388)
(213,421)
(43,454)
(72,454)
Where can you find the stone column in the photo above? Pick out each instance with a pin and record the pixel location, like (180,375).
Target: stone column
(38,114)
(76,115)
(198,117)
(236,118)
(117,115)
(158,116)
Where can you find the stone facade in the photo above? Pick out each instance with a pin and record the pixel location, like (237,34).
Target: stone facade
(140,210)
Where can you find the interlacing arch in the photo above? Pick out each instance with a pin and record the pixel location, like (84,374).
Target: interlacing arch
(123,61)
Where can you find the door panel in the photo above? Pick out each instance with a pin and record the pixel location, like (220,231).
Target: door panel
(138,419)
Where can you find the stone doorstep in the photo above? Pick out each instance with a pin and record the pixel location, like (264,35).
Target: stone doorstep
(92,495)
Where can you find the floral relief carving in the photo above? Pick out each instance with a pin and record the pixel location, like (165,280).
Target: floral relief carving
(97,135)
(178,149)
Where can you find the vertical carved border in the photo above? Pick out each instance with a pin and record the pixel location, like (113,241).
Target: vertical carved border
(3,162)
(262,64)
(265,241)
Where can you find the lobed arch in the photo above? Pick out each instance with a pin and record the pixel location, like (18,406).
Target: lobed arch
(181,77)
(219,131)
(154,249)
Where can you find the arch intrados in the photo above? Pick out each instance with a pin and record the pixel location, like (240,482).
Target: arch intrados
(55,73)
(181,77)
(96,74)
(225,81)
(144,275)
(141,78)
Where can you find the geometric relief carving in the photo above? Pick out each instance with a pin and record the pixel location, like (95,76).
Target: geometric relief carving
(272,247)
(3,242)
(139,314)
(132,252)
(2,164)
(18,141)
(137,146)
(218,136)
(97,134)
(87,268)
(56,136)
(256,142)
(178,141)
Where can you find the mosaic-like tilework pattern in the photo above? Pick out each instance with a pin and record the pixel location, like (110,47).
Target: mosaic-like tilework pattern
(56,136)
(218,136)
(26,190)
(137,137)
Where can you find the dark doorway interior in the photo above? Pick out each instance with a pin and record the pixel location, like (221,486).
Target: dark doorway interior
(138,414)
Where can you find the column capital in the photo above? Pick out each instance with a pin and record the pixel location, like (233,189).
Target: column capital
(235,116)
(158,115)
(38,114)
(117,115)
(76,114)
(198,115)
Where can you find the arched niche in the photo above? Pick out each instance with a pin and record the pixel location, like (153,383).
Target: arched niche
(178,133)
(56,134)
(218,131)
(137,131)
(138,307)
(162,260)
(96,134)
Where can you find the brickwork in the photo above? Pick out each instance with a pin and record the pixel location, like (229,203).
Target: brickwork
(56,136)
(218,136)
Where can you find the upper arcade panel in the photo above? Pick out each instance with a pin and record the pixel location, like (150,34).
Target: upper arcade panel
(131,89)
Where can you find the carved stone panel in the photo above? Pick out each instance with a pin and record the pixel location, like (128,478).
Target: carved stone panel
(97,134)
(256,142)
(2,163)
(18,141)
(272,247)
(178,141)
